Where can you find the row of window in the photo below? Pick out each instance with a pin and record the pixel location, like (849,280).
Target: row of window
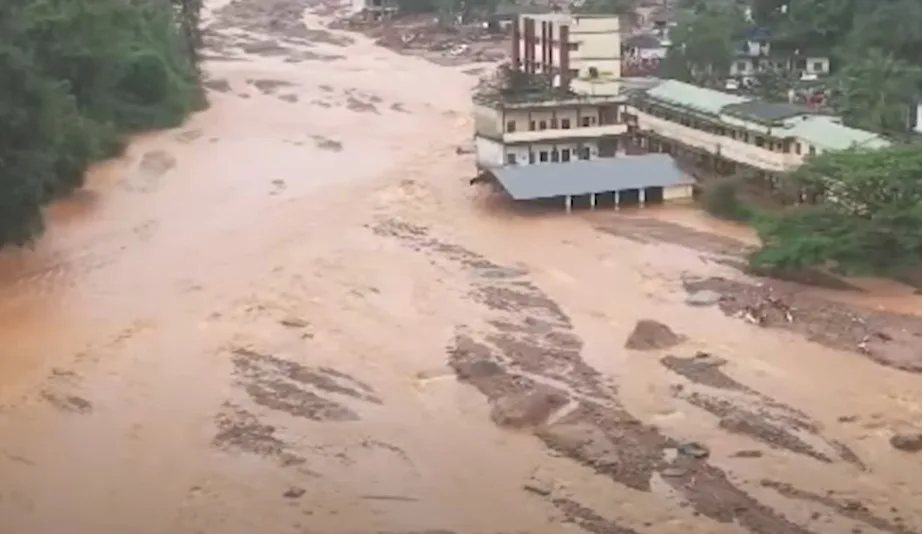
(554,42)
(554,156)
(744,66)
(783,146)
(563,124)
(538,67)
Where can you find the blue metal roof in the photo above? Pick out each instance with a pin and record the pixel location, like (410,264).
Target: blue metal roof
(548,180)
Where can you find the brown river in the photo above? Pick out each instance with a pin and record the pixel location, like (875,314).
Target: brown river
(294,314)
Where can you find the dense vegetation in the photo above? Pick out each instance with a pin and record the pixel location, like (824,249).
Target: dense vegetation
(874,47)
(77,75)
(861,213)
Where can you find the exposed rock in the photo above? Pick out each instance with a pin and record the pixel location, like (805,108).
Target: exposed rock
(705,297)
(293,493)
(747,454)
(694,450)
(527,409)
(539,486)
(582,440)
(652,335)
(674,472)
(907,441)
(294,322)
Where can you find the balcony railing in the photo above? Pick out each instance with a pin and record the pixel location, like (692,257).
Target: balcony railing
(531,136)
(738,151)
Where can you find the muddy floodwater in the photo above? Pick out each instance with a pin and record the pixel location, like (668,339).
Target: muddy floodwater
(294,314)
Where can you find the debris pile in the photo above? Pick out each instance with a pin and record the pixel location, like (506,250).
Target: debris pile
(425,34)
(888,338)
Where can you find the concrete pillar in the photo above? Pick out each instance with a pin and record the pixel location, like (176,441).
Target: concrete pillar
(592,201)
(617,200)
(568,202)
(643,196)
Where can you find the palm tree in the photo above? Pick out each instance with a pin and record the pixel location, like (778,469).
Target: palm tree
(874,92)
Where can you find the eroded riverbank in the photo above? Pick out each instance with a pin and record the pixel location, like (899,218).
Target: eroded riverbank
(294,315)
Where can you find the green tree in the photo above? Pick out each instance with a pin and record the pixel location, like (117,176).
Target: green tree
(870,220)
(704,43)
(620,7)
(77,75)
(874,91)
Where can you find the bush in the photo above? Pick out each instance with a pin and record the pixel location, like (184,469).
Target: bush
(77,76)
(720,198)
(869,220)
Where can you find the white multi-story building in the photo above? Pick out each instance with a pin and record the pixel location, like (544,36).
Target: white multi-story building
(569,46)
(734,130)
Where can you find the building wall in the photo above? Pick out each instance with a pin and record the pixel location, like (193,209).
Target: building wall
(524,154)
(490,153)
(575,116)
(817,65)
(598,45)
(677,192)
(488,121)
(576,43)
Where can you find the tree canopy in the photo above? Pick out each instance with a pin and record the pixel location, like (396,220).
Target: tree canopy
(705,40)
(873,45)
(869,219)
(77,76)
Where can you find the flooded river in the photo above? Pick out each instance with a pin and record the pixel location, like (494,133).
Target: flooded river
(295,315)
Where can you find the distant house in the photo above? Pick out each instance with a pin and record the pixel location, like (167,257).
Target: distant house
(644,46)
(641,54)
(755,55)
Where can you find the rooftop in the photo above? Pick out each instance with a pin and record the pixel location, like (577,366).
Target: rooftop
(696,98)
(821,130)
(643,41)
(766,112)
(827,133)
(548,180)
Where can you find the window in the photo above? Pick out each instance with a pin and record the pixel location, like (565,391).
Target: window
(554,123)
(555,156)
(741,66)
(510,126)
(818,66)
(760,141)
(542,125)
(586,122)
(584,152)
(565,155)
(571,46)
(565,124)
(510,159)
(812,150)
(542,156)
(797,148)
(531,125)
